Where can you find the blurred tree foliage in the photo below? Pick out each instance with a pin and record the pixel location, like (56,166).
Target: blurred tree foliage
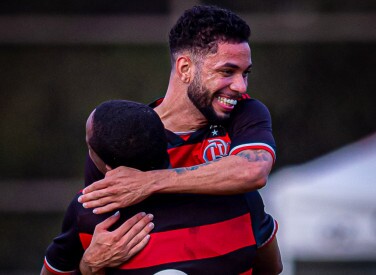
(321,96)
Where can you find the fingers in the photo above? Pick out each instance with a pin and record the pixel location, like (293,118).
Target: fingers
(135,225)
(96,198)
(141,238)
(98,185)
(109,180)
(139,246)
(112,248)
(107,223)
(113,191)
(89,202)
(137,237)
(104,209)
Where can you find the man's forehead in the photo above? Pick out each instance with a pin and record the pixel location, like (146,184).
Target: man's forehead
(231,54)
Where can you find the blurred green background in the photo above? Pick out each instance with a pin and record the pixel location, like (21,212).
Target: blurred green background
(320,91)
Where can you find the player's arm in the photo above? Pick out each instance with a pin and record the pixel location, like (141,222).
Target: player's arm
(268,259)
(108,248)
(113,248)
(246,171)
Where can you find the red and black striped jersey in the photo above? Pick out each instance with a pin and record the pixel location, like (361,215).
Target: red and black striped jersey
(249,127)
(195,234)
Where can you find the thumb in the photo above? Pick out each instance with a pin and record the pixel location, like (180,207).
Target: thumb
(107,223)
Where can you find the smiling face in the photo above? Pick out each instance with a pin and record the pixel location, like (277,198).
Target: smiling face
(220,79)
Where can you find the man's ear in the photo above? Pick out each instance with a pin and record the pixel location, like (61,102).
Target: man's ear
(108,168)
(184,68)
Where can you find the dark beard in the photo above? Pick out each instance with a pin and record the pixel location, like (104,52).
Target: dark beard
(200,97)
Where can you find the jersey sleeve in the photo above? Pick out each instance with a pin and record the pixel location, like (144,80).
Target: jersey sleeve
(251,128)
(92,174)
(64,254)
(264,226)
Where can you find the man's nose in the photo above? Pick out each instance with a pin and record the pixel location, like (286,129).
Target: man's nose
(239,84)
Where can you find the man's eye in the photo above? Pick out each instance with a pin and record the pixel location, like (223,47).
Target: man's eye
(246,73)
(227,72)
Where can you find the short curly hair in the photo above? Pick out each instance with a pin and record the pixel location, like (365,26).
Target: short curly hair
(127,133)
(200,29)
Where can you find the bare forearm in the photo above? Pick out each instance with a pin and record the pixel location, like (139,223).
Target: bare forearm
(229,175)
(123,186)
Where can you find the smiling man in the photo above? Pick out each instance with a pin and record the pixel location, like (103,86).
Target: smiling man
(193,234)
(220,139)
(221,80)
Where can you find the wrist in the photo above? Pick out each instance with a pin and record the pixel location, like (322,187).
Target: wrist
(161,180)
(89,267)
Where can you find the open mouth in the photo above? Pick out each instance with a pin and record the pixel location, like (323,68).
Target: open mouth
(227,101)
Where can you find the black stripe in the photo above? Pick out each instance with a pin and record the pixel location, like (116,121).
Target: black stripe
(182,211)
(233,263)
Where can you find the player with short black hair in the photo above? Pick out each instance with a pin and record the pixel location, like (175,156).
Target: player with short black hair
(118,132)
(200,29)
(194,233)
(126,133)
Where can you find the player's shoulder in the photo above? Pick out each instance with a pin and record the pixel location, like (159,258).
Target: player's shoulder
(250,104)
(74,205)
(250,108)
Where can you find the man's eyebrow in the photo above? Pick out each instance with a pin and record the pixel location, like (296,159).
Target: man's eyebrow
(234,66)
(249,67)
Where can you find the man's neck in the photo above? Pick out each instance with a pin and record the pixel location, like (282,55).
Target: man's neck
(180,115)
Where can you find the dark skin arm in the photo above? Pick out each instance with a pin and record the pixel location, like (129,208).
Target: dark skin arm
(268,259)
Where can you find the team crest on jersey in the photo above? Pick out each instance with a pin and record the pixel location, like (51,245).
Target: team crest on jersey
(215,149)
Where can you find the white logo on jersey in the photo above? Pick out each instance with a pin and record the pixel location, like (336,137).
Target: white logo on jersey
(216,148)
(170,272)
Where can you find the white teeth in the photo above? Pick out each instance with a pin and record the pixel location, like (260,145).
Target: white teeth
(227,101)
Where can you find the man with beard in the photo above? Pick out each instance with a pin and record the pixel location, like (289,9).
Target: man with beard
(194,233)
(220,140)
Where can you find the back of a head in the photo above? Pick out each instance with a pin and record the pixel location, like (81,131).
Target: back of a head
(200,29)
(127,133)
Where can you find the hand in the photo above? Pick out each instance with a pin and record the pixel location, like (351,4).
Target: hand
(111,249)
(121,187)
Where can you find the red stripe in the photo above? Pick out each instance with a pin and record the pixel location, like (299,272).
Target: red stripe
(53,271)
(245,96)
(248,272)
(195,243)
(85,239)
(266,148)
(186,155)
